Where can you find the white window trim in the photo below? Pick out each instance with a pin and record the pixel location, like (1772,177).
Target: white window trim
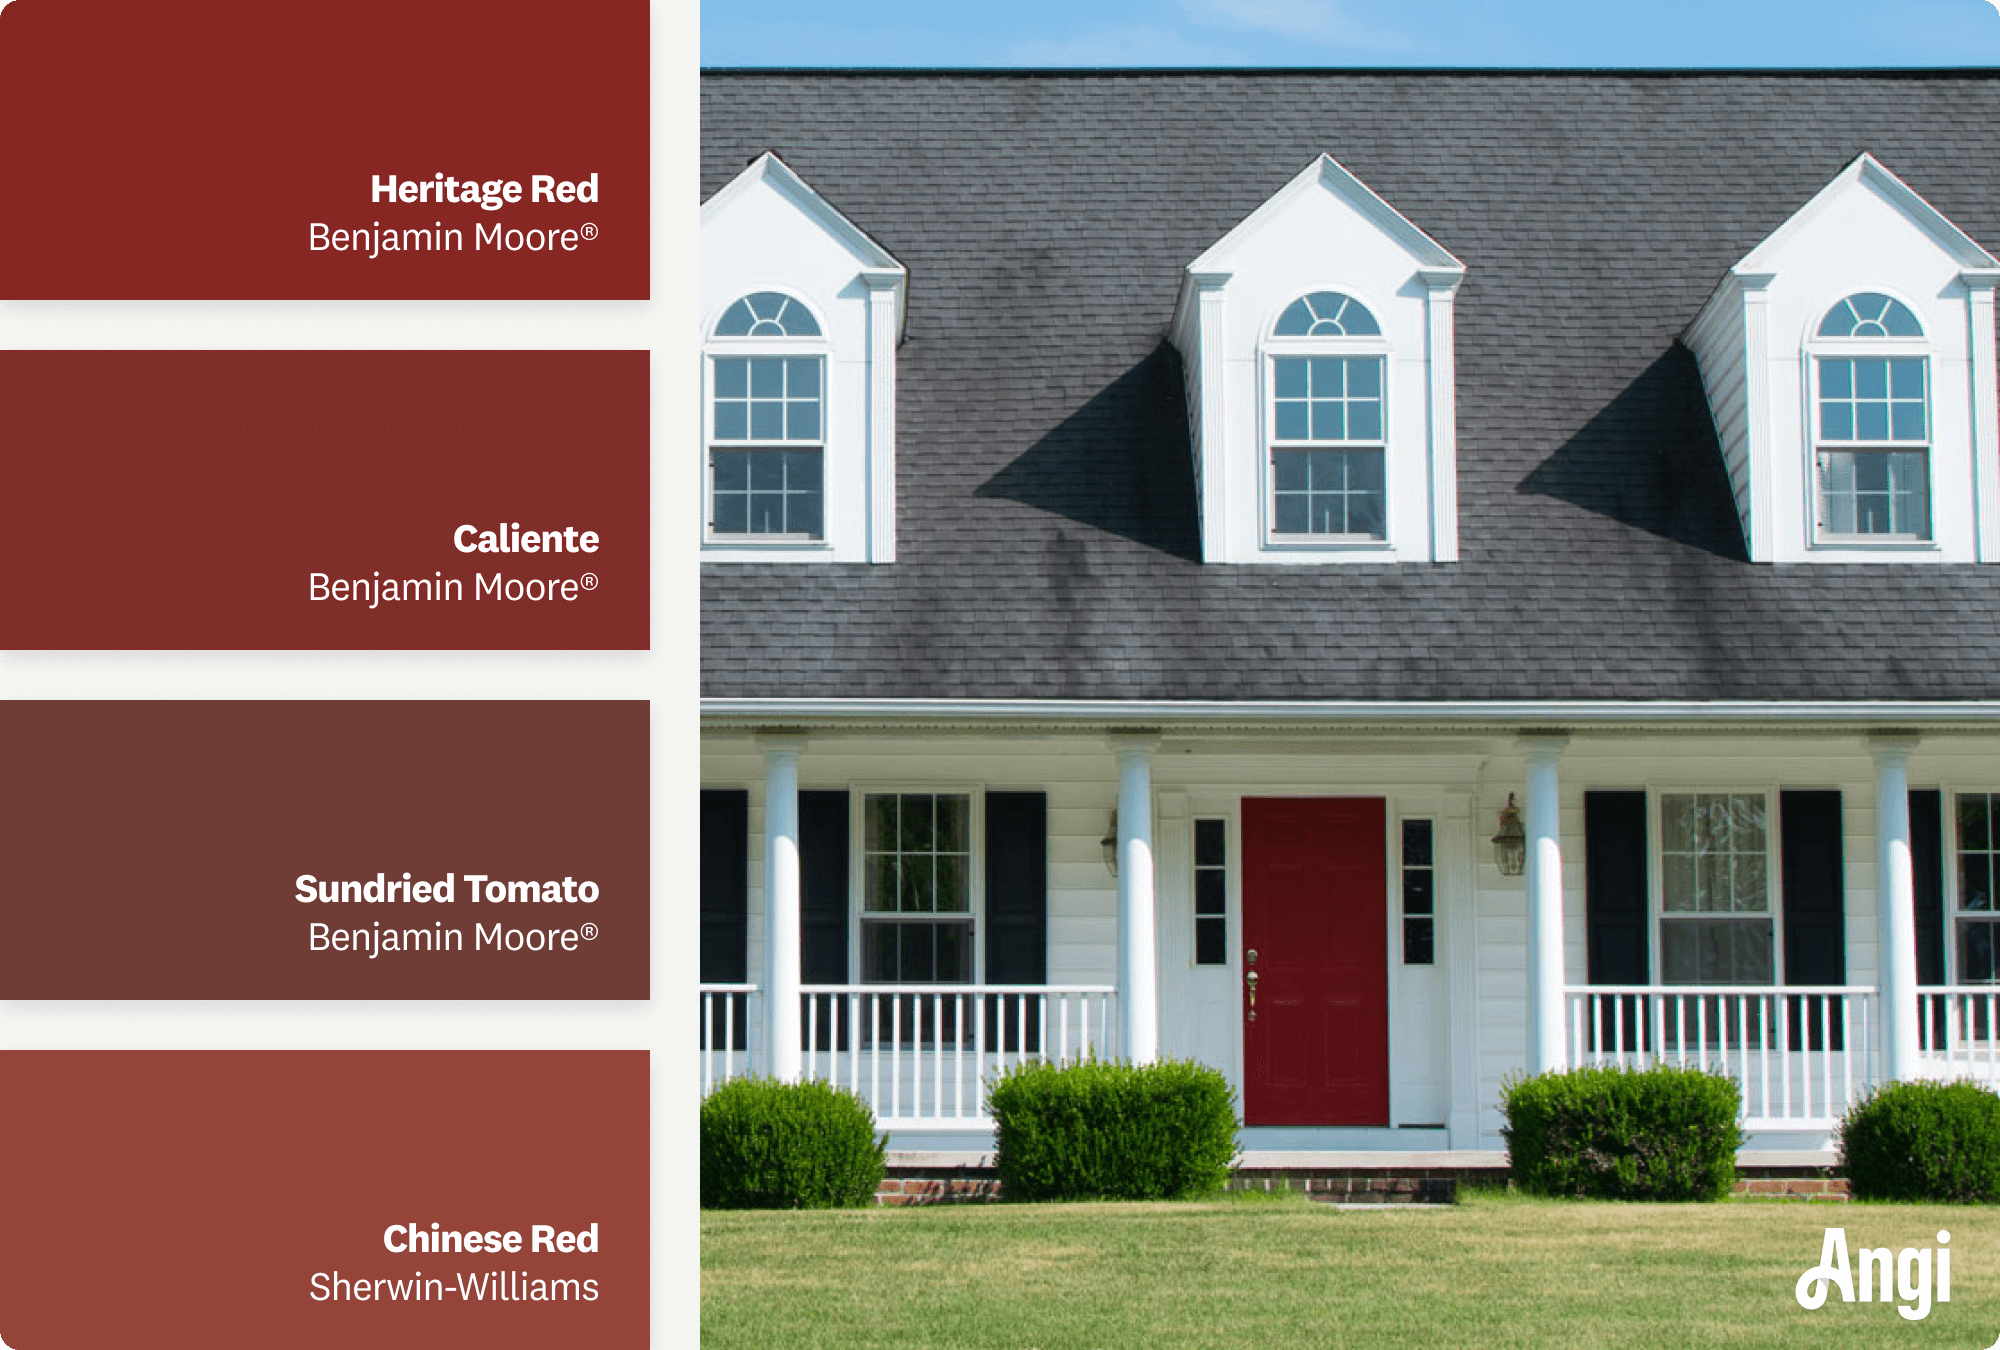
(1656,875)
(1811,348)
(1269,348)
(857,824)
(820,347)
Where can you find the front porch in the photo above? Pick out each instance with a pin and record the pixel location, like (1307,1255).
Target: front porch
(920,1056)
(1802,910)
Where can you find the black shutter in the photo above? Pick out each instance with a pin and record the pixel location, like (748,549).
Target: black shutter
(1017,910)
(1927,861)
(823,911)
(725,910)
(1614,907)
(1812,882)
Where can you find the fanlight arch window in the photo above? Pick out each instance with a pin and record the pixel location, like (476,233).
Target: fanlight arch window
(1326,419)
(1871,422)
(767,422)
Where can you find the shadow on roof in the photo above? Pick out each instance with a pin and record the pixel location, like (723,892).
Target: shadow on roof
(1650,460)
(1121,463)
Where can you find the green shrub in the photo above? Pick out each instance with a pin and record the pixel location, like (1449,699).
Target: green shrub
(1112,1131)
(1623,1134)
(1923,1141)
(772,1145)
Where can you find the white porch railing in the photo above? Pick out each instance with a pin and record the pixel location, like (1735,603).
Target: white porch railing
(728,1023)
(919,1055)
(1958,1032)
(1799,1054)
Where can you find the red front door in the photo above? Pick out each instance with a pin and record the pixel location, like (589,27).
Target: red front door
(1315,934)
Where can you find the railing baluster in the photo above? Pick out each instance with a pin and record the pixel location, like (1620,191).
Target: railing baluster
(979,1058)
(1846,1054)
(937,1058)
(1784,1011)
(1701,1037)
(958,1055)
(896,1057)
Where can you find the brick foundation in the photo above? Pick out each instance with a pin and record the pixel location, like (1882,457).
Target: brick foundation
(1342,1185)
(1797,1183)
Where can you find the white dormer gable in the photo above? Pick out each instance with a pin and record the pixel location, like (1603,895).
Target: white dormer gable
(1849,365)
(1317,341)
(801,314)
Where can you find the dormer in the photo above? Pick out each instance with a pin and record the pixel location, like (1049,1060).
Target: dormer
(1849,365)
(1317,342)
(801,315)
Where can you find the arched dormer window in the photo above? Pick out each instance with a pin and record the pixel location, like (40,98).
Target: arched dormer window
(1327,432)
(1871,422)
(767,422)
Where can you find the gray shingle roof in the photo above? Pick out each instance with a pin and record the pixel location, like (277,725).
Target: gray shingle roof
(1046,527)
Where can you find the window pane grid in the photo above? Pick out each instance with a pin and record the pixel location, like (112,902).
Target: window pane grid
(1329,492)
(768,492)
(1715,922)
(916,868)
(1875,404)
(767,398)
(1328,399)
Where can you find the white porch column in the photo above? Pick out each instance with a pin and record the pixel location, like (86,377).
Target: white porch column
(1543,821)
(781,905)
(1896,904)
(1138,981)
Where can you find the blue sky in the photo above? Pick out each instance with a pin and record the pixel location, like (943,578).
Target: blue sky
(1351,32)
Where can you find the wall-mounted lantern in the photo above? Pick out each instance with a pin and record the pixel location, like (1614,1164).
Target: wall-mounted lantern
(1110,844)
(1510,846)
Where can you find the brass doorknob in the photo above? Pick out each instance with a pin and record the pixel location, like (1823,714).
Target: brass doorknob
(1251,980)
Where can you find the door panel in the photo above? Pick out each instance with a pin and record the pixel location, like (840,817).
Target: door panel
(1315,911)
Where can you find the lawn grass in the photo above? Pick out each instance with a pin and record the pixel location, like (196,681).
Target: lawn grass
(1494,1271)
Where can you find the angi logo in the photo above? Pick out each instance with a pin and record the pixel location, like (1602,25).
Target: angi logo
(1913,1275)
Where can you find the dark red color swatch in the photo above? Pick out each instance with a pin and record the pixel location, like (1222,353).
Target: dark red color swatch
(190,1197)
(153,850)
(185,150)
(199,499)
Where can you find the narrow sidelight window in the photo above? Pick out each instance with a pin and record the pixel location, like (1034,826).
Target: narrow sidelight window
(1419,894)
(1211,893)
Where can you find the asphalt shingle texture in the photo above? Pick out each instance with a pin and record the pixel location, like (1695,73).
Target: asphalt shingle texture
(1046,534)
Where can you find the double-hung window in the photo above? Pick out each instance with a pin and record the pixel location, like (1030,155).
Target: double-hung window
(767,422)
(1715,889)
(1978,936)
(1871,423)
(1327,420)
(916,888)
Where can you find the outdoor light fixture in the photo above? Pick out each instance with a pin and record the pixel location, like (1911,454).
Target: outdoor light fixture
(1510,846)
(1110,843)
